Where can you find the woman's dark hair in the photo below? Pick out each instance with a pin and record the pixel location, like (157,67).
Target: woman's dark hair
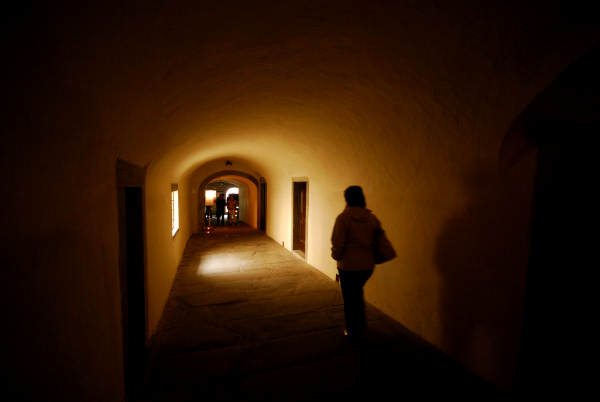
(354,197)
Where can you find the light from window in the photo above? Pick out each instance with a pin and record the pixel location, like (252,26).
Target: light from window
(174,209)
(210,197)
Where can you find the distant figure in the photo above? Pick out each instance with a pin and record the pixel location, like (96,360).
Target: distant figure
(208,214)
(352,248)
(231,206)
(221,209)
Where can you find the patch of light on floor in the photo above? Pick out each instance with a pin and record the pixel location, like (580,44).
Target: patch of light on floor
(219,263)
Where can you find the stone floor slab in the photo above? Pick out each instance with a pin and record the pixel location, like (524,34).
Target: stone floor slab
(249,321)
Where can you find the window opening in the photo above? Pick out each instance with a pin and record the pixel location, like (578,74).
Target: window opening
(174,209)
(232,190)
(210,200)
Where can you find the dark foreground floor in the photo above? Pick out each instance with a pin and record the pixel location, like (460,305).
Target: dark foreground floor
(249,321)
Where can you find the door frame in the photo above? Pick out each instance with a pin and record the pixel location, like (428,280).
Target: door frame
(303,179)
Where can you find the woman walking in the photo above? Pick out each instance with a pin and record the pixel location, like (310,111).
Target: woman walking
(353,249)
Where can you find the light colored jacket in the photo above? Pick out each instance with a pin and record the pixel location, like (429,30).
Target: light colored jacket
(353,239)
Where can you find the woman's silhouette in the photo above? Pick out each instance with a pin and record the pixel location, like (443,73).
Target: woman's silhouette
(352,247)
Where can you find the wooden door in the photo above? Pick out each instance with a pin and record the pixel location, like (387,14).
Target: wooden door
(262,212)
(299,240)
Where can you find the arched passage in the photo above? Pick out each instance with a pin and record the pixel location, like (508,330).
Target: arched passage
(253,206)
(247,197)
(225,188)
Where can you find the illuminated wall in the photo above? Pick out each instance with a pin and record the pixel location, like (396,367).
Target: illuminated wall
(410,101)
(163,251)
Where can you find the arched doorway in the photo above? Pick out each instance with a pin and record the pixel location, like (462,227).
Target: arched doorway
(245,197)
(254,201)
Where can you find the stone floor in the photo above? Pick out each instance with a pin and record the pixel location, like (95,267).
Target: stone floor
(249,321)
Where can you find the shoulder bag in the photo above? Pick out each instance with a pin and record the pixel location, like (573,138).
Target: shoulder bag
(384,251)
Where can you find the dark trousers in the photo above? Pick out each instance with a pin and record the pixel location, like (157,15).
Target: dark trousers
(352,283)
(220,220)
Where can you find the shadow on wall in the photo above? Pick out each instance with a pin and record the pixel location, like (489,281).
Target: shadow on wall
(481,257)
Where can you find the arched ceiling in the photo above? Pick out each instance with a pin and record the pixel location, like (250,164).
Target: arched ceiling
(182,84)
(221,186)
(235,180)
(224,182)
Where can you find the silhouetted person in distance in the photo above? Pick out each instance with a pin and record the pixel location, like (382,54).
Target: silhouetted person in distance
(231,206)
(221,209)
(208,214)
(352,247)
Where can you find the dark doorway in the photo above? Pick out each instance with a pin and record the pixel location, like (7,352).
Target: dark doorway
(132,274)
(558,278)
(560,292)
(133,298)
(299,240)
